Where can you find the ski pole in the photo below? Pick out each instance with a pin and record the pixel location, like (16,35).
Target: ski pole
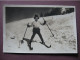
(49,28)
(21,41)
(25,32)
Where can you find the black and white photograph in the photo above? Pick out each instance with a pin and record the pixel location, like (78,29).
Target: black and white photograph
(39,29)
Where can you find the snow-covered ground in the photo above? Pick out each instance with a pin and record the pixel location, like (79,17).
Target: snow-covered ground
(62,26)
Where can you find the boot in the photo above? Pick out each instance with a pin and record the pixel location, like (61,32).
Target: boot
(42,42)
(31,48)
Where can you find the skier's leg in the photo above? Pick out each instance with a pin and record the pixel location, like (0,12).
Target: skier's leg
(31,48)
(40,36)
(32,37)
(43,41)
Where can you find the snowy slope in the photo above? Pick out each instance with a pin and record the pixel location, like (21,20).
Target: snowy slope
(62,26)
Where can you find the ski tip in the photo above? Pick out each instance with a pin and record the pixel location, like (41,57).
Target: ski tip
(49,46)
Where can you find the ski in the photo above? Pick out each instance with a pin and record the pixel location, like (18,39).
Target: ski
(45,45)
(31,48)
(27,40)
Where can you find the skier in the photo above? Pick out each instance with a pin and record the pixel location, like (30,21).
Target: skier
(36,30)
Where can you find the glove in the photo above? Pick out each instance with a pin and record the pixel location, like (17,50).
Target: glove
(28,25)
(44,22)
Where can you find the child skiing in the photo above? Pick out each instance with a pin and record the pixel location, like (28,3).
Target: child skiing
(36,30)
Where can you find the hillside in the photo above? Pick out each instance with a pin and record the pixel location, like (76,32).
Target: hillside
(62,26)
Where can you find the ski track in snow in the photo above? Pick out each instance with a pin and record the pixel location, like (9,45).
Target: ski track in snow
(64,40)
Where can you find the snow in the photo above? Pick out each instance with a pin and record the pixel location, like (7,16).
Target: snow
(62,26)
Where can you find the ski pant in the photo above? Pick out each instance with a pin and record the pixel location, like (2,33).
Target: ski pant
(36,31)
